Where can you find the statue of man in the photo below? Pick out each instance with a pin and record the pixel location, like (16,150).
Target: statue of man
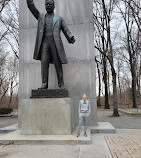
(49,47)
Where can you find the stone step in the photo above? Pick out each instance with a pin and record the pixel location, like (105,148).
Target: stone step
(103,127)
(17,139)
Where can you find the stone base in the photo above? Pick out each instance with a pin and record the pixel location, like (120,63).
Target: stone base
(17,139)
(50,116)
(103,127)
(49,93)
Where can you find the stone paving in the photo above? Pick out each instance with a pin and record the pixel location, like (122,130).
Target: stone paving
(97,149)
(124,147)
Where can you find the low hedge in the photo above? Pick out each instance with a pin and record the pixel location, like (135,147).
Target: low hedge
(4,110)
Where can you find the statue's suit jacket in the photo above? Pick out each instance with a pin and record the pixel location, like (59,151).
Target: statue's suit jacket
(58,25)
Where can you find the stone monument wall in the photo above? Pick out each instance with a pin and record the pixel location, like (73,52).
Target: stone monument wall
(79,73)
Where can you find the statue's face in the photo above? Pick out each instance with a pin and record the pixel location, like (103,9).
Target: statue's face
(49,6)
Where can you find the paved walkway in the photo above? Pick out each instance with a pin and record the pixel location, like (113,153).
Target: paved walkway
(122,122)
(125,143)
(7,121)
(124,147)
(98,148)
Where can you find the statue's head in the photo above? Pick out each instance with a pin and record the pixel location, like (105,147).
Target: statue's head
(49,4)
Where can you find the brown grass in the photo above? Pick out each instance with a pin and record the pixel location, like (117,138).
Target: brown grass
(5,102)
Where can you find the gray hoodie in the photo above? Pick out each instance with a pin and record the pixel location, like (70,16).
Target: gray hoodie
(84,106)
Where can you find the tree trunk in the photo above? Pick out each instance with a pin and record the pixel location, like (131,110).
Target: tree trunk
(105,83)
(99,79)
(115,106)
(139,79)
(133,86)
(10,100)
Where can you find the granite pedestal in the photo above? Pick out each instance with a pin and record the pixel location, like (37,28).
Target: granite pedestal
(48,116)
(49,93)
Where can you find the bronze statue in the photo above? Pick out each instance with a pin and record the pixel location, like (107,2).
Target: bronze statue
(49,47)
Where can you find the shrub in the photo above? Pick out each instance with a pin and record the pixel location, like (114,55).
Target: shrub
(4,110)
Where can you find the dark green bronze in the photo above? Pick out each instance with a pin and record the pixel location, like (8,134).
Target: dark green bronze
(49,47)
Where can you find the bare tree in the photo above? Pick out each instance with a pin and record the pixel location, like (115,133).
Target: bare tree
(102,20)
(9,49)
(131,41)
(10,23)
(99,26)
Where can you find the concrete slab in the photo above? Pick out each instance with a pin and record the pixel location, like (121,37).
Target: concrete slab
(131,111)
(9,129)
(18,139)
(129,132)
(97,149)
(103,127)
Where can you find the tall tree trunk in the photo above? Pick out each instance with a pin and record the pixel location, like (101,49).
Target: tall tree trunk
(115,106)
(105,83)
(99,80)
(133,71)
(139,78)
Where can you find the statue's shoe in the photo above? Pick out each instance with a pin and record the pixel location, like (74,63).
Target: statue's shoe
(62,87)
(44,86)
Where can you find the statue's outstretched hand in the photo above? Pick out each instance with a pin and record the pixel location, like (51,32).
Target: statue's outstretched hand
(72,40)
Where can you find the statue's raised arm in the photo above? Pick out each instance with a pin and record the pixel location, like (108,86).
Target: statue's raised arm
(32,8)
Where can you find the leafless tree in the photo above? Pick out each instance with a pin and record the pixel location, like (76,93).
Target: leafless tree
(9,48)
(10,24)
(131,39)
(102,20)
(100,42)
